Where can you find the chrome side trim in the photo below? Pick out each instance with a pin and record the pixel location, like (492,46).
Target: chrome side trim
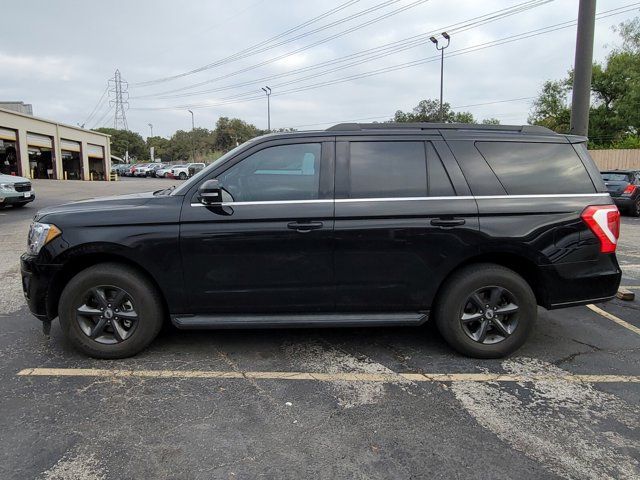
(405,199)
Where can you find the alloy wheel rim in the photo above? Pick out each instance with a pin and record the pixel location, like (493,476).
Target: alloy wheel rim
(489,315)
(107,315)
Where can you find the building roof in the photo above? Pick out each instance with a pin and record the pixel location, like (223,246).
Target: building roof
(31,117)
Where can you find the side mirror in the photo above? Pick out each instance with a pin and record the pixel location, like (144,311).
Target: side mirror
(210,192)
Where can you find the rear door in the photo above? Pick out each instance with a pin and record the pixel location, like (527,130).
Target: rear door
(404,216)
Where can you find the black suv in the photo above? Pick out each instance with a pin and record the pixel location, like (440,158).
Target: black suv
(624,187)
(357,225)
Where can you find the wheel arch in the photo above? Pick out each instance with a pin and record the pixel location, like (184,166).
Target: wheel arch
(78,263)
(520,264)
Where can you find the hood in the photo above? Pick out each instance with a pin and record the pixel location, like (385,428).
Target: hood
(112,204)
(12,179)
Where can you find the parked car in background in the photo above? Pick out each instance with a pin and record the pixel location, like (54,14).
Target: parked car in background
(144,170)
(473,226)
(135,167)
(624,188)
(152,172)
(183,172)
(15,191)
(121,169)
(164,171)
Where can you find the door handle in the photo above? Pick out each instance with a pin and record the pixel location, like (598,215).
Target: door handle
(447,222)
(304,227)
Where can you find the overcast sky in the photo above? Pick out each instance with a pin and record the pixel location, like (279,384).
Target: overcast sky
(59,55)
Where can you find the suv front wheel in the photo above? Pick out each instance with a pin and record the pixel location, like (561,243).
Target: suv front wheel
(486,311)
(110,311)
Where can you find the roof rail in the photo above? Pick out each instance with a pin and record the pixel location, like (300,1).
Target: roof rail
(531,129)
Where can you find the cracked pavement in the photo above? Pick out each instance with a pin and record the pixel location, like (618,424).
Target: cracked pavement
(111,427)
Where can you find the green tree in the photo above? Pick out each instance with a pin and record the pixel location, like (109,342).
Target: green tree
(429,111)
(126,140)
(161,147)
(551,108)
(232,132)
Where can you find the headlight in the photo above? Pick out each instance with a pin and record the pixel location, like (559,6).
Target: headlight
(39,235)
(7,187)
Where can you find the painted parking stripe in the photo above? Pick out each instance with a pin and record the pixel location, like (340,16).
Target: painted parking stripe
(631,287)
(615,319)
(326,377)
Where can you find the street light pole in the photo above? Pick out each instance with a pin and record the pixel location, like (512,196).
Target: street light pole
(447,37)
(581,97)
(151,127)
(193,140)
(267,90)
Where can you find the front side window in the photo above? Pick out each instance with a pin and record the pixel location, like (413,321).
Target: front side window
(387,169)
(285,172)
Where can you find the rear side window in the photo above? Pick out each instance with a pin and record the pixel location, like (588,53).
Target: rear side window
(536,168)
(439,181)
(387,170)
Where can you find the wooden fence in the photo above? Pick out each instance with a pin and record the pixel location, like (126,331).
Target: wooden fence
(617,159)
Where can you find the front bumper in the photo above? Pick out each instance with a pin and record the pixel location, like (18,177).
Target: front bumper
(36,279)
(16,199)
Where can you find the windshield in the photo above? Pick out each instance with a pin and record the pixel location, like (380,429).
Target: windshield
(615,177)
(205,171)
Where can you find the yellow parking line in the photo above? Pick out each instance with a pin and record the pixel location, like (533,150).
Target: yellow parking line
(615,319)
(327,377)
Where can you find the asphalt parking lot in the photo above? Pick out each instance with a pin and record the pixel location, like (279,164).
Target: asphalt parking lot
(353,403)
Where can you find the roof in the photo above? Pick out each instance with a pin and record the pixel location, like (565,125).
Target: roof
(525,129)
(31,117)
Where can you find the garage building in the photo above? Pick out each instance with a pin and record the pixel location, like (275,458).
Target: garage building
(33,147)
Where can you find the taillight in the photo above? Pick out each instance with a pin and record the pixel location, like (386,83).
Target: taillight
(604,222)
(629,190)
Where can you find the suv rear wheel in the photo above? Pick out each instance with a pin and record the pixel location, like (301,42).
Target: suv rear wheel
(182,176)
(486,311)
(110,311)
(635,210)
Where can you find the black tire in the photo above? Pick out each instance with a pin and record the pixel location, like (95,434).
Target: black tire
(141,295)
(478,282)
(182,176)
(635,210)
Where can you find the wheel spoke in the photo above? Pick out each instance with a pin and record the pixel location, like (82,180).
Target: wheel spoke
(98,329)
(470,317)
(500,327)
(481,334)
(86,310)
(118,299)
(118,331)
(128,314)
(507,309)
(494,297)
(475,298)
(98,294)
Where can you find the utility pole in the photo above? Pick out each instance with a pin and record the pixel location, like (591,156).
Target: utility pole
(193,140)
(582,68)
(118,88)
(267,90)
(151,127)
(447,37)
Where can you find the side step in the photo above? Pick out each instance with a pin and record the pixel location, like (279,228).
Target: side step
(315,320)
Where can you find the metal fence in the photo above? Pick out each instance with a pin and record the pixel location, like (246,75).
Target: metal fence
(616,159)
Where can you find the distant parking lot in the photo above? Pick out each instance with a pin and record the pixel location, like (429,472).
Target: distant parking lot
(352,403)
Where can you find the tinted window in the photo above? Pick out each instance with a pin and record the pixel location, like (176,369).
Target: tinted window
(536,168)
(388,169)
(439,182)
(616,177)
(286,172)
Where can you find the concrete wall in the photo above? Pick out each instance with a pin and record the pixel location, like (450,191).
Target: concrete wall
(616,159)
(25,123)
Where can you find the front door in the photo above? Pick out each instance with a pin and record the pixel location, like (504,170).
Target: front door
(269,248)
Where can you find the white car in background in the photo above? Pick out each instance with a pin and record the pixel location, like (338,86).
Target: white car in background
(143,170)
(162,172)
(15,191)
(183,171)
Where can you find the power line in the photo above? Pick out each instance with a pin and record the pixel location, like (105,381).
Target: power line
(237,55)
(466,50)
(100,122)
(301,49)
(95,109)
(380,51)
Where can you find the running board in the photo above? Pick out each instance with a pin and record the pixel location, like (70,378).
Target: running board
(315,320)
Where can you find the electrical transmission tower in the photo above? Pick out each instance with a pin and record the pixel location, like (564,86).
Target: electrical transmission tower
(119,98)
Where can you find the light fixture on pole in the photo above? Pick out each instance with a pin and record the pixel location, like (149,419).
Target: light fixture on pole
(447,37)
(267,91)
(193,123)
(151,128)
